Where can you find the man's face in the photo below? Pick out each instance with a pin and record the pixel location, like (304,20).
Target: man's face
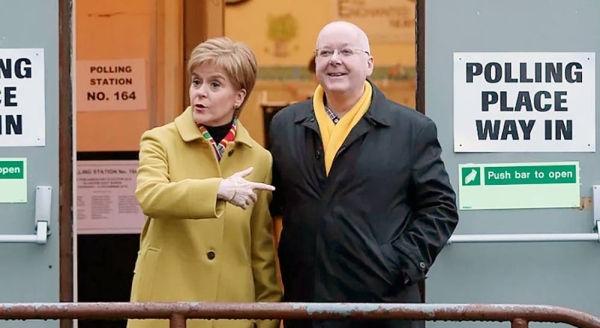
(342,63)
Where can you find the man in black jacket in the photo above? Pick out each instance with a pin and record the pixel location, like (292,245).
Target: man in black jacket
(366,201)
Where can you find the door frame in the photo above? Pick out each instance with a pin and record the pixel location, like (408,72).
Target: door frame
(420,44)
(420,67)
(65,150)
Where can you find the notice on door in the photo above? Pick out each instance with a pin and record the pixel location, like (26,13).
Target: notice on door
(106,202)
(22,98)
(519,185)
(105,85)
(13,180)
(385,21)
(524,102)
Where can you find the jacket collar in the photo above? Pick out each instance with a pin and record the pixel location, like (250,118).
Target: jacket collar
(189,131)
(378,113)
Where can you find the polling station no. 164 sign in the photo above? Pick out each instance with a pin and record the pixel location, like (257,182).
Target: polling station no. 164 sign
(22,98)
(524,102)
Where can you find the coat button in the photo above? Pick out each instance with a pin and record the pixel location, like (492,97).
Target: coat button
(422,266)
(230,152)
(210,255)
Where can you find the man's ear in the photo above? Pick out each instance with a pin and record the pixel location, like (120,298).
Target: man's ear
(370,65)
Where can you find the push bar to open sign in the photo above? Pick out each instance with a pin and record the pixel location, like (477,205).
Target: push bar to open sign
(43,206)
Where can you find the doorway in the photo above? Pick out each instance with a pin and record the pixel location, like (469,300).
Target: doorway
(128,62)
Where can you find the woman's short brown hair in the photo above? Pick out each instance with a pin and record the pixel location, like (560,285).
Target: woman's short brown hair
(236,58)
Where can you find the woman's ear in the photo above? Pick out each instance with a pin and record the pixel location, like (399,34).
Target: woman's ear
(239,98)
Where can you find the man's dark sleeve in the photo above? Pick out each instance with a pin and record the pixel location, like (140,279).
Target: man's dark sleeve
(433,205)
(277,201)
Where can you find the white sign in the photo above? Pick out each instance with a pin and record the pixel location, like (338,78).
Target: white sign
(22,98)
(106,202)
(111,85)
(524,102)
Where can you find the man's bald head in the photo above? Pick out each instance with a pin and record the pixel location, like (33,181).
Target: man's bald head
(343,62)
(353,33)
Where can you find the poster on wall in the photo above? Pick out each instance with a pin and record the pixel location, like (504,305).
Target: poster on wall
(22,98)
(384,21)
(106,202)
(524,102)
(109,85)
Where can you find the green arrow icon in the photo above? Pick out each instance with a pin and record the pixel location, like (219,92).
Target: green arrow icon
(471,176)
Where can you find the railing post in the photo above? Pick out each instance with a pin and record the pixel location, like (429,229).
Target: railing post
(177,321)
(519,323)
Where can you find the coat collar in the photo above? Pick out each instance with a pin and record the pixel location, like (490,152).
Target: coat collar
(378,113)
(189,131)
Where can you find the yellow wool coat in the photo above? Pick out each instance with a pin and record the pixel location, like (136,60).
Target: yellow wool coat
(194,247)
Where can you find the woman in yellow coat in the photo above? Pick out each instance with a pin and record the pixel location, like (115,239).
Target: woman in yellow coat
(204,185)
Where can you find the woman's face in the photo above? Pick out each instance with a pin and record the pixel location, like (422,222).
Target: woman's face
(213,96)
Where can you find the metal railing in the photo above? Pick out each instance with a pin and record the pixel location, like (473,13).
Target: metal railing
(518,315)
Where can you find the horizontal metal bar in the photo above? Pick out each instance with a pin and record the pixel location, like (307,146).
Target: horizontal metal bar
(40,237)
(18,238)
(43,206)
(512,238)
(316,311)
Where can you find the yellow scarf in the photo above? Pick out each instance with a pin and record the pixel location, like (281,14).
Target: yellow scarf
(333,135)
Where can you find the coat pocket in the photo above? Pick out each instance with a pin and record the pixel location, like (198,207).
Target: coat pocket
(143,281)
(389,261)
